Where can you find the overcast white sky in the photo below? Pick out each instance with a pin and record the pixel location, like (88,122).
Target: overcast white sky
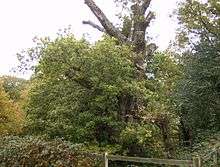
(21,20)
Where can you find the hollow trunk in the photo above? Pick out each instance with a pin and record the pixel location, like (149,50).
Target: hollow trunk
(128,108)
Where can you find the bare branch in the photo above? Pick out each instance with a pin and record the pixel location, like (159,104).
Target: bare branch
(94,25)
(145,6)
(108,26)
(150,16)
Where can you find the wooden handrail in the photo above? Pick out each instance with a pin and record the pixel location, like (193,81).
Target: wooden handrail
(107,157)
(149,160)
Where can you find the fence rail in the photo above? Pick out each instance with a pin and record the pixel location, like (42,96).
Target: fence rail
(149,160)
(196,161)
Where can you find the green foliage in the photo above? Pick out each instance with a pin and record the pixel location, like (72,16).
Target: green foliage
(136,138)
(76,90)
(206,141)
(166,73)
(199,90)
(80,85)
(37,151)
(80,92)
(198,95)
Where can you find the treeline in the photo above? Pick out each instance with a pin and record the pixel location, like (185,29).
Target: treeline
(120,95)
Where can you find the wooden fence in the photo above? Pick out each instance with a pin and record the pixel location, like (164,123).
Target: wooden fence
(196,161)
(148,160)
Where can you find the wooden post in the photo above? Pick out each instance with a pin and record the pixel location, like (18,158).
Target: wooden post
(215,157)
(106,159)
(197,161)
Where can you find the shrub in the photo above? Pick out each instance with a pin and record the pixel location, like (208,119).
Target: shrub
(36,151)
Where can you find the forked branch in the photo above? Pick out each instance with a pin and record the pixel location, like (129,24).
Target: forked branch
(107,25)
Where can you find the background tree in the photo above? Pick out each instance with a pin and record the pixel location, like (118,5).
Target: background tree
(198,20)
(11,118)
(198,91)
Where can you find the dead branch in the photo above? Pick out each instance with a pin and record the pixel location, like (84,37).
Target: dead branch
(94,25)
(150,16)
(107,25)
(145,6)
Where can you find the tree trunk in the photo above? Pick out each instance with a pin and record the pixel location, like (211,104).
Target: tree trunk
(186,133)
(140,23)
(128,108)
(129,105)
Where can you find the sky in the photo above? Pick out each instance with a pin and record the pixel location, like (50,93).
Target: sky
(22,20)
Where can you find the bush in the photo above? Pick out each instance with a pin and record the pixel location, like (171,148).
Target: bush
(36,151)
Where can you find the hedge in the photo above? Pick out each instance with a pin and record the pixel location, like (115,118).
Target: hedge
(32,151)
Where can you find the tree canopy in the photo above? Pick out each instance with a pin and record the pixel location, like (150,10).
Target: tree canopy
(78,93)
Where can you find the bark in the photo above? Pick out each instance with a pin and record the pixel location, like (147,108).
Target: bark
(145,6)
(140,23)
(128,107)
